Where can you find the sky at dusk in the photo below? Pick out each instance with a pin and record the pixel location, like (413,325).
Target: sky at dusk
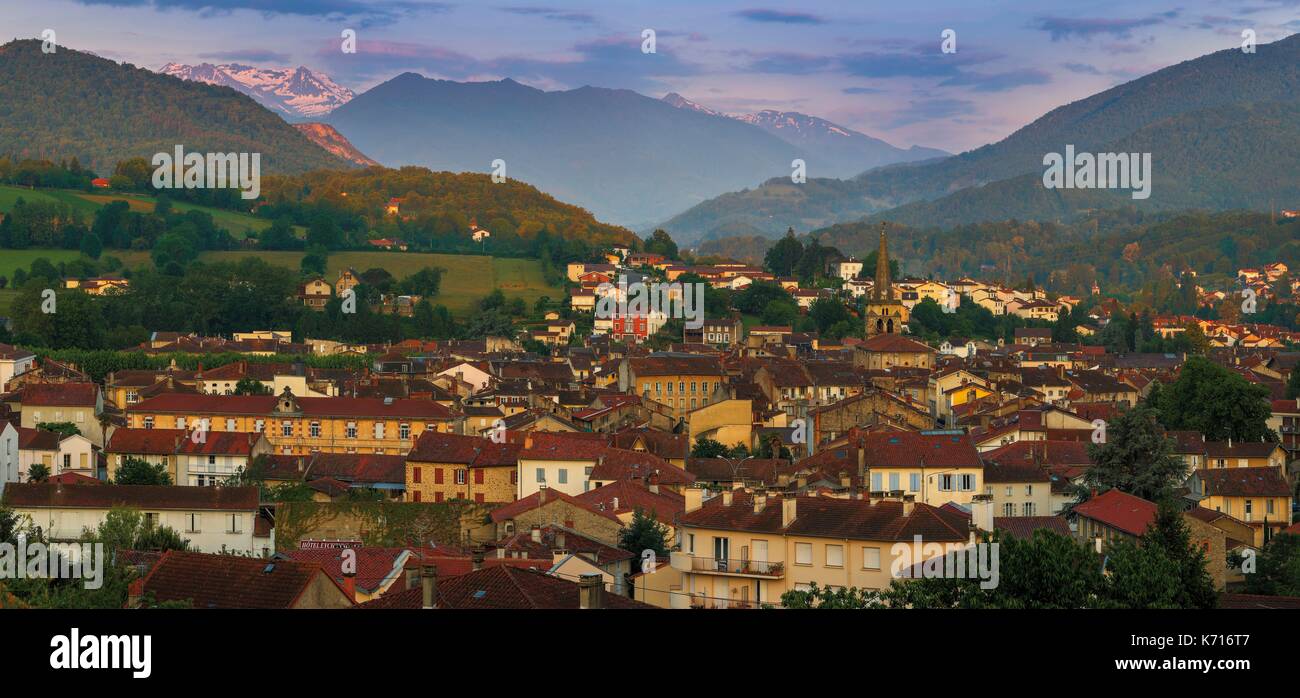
(873,66)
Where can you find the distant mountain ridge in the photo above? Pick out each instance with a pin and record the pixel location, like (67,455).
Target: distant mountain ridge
(1182,114)
(830,149)
(294,92)
(71,104)
(626,157)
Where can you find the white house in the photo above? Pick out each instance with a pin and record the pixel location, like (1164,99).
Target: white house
(77,455)
(14,361)
(213,519)
(216,456)
(469,373)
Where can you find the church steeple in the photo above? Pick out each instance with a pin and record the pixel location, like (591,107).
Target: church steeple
(884,288)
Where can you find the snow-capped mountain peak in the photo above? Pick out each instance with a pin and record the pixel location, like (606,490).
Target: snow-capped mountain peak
(296,92)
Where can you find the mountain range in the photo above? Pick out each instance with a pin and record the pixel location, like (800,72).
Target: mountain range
(295,93)
(1222,130)
(628,158)
(831,150)
(70,104)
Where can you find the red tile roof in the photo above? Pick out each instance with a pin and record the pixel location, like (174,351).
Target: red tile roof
(505,587)
(543,497)
(40,495)
(37,439)
(828,517)
(225,443)
(620,464)
(1243,482)
(914,449)
(228,581)
(60,394)
(156,442)
(1023,527)
(626,496)
(893,343)
(1120,510)
(435,447)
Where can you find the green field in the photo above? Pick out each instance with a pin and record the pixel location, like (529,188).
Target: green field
(87,203)
(467,278)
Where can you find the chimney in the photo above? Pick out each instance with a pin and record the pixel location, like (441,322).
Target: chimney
(788,511)
(350,585)
(760,502)
(862,461)
(591,591)
(477,559)
(909,504)
(694,499)
(652,483)
(981,511)
(559,540)
(429,583)
(528,441)
(726,498)
(537,533)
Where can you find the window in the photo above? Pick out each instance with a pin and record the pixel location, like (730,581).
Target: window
(230,424)
(871,558)
(415,474)
(563,476)
(1268,506)
(1009,509)
(1029,508)
(258,425)
(351,431)
(192,523)
(180,422)
(681,386)
(1029,490)
(404,431)
(148,422)
(541,475)
(690,543)
(893,481)
(478,476)
(67,461)
(212,460)
(946,483)
(803,553)
(1008,490)
(313,429)
(692,386)
(834,555)
(416,495)
(437,476)
(914,482)
(460,476)
(234,523)
(875,482)
(670,388)
(967,482)
(379,430)
(286,428)
(1250,508)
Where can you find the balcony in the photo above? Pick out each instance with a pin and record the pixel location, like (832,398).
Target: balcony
(738,568)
